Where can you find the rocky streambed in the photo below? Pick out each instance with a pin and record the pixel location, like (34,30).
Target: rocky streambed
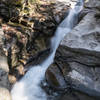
(24,41)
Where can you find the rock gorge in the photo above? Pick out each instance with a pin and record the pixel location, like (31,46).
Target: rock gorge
(24,41)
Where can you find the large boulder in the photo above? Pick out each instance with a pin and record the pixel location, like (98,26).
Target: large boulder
(82,76)
(85,35)
(79,51)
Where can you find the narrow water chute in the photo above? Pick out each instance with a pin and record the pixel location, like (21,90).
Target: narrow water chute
(28,88)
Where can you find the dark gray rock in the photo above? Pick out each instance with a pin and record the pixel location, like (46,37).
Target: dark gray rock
(55,78)
(78,56)
(76,96)
(82,74)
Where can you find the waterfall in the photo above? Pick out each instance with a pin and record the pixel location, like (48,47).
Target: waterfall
(28,88)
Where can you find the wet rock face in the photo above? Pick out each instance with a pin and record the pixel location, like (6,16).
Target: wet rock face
(80,52)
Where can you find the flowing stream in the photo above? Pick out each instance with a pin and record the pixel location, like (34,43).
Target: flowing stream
(28,88)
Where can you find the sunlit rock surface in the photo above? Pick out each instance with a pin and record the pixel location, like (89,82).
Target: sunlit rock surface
(4,94)
(85,35)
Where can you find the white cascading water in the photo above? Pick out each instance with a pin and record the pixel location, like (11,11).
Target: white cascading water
(28,88)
